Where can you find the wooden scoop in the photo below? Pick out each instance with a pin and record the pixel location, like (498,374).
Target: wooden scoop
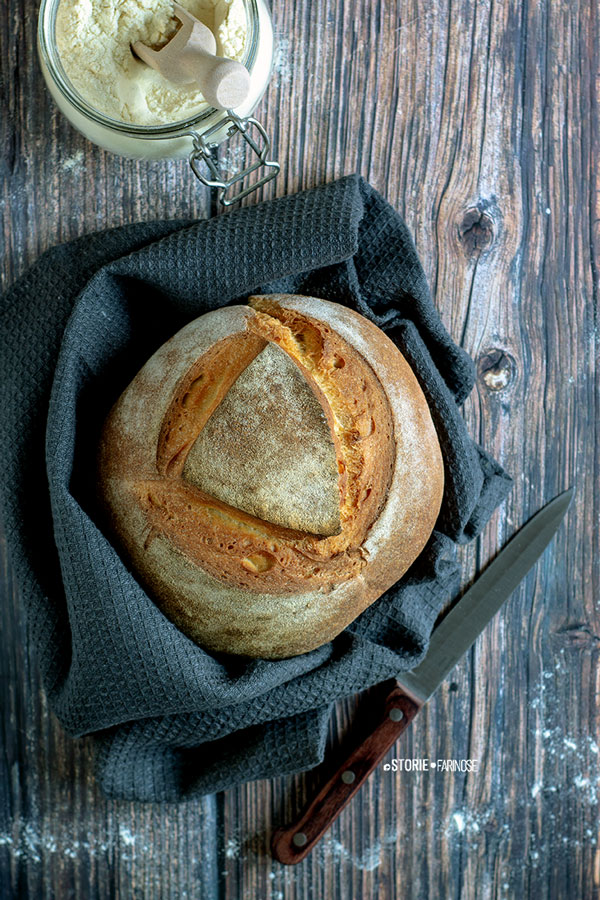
(190,57)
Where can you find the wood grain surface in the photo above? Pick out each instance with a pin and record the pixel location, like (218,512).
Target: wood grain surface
(478,120)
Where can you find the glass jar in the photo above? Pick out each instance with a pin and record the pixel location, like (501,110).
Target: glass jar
(194,137)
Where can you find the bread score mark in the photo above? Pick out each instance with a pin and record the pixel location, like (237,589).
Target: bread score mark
(232,545)
(357,408)
(197,396)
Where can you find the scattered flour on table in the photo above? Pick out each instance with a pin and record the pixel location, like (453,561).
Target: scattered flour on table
(94,39)
(365,861)
(233,848)
(282,61)
(328,852)
(232,159)
(331,850)
(574,757)
(126,836)
(32,844)
(73,163)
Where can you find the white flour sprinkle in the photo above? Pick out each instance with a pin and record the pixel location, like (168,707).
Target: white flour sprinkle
(232,159)
(465,822)
(74,162)
(126,836)
(570,769)
(34,844)
(282,61)
(232,848)
(366,861)
(459,821)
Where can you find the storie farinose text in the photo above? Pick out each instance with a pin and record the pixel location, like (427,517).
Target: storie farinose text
(425,765)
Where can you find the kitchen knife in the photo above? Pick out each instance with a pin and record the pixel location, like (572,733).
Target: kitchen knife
(449,641)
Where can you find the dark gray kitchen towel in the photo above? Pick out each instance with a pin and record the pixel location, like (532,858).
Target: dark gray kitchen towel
(171,720)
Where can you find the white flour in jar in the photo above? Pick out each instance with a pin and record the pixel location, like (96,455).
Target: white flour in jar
(94,40)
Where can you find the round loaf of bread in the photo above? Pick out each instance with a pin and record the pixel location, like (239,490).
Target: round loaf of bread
(270,472)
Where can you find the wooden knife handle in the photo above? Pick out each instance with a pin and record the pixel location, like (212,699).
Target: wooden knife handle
(291,844)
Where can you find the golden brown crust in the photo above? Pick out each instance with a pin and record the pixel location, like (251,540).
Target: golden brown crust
(232,581)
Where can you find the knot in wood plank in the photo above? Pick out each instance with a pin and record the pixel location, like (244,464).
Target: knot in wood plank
(497,369)
(476,231)
(577,636)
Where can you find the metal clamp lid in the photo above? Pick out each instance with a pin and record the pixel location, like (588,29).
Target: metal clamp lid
(202,153)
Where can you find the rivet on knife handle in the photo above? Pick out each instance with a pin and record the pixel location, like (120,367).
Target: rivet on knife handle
(291,844)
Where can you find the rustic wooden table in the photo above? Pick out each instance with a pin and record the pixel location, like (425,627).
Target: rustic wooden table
(478,120)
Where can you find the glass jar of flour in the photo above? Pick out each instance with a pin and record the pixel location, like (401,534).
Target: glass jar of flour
(124,106)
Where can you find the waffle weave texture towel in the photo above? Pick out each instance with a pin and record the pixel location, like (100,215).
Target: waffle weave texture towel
(169,719)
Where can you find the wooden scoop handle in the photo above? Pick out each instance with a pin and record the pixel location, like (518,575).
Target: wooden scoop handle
(225,83)
(291,844)
(190,57)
